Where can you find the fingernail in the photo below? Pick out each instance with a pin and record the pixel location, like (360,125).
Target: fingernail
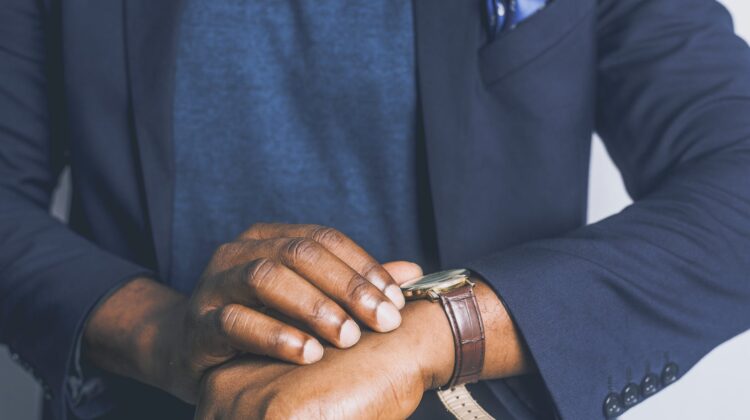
(350,333)
(312,351)
(395,295)
(388,316)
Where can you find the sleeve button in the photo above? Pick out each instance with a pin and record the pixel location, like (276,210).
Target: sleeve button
(631,394)
(613,405)
(669,374)
(650,385)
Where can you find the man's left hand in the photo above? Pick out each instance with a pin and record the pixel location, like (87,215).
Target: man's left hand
(384,376)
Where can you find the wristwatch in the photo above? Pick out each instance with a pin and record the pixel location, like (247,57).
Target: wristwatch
(454,290)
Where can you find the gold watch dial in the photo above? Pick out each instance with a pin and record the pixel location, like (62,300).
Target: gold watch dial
(433,284)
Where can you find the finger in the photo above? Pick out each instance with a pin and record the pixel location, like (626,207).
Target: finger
(231,254)
(250,331)
(279,288)
(403,271)
(338,280)
(340,245)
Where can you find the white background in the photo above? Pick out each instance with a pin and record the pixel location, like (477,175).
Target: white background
(716,388)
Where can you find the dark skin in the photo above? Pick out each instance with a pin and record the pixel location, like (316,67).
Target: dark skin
(310,274)
(384,376)
(318,281)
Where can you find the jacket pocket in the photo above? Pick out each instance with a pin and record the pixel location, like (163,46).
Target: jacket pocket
(531,38)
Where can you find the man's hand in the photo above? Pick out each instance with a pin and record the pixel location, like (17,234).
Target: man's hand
(384,376)
(314,276)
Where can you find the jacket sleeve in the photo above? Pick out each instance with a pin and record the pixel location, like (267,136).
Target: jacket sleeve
(656,287)
(49,277)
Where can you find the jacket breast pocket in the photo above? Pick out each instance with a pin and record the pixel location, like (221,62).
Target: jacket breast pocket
(540,32)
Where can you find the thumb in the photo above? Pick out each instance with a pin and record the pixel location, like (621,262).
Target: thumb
(403,271)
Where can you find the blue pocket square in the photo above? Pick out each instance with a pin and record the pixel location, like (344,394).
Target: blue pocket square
(506,14)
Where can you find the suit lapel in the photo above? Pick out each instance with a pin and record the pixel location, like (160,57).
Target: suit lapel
(446,33)
(150,34)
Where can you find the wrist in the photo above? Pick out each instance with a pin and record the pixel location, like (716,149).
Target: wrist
(427,327)
(428,331)
(162,350)
(132,333)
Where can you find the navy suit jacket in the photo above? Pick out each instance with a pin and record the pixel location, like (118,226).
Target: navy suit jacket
(508,127)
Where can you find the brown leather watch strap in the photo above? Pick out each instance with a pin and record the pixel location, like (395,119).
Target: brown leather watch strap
(461,307)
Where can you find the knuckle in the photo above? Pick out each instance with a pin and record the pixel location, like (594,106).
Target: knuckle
(230,319)
(320,311)
(277,339)
(253,231)
(358,289)
(259,273)
(372,266)
(227,250)
(256,227)
(300,249)
(327,235)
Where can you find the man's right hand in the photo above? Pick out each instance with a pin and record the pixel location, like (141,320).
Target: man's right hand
(314,276)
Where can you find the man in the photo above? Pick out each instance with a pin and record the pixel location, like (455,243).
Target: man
(447,133)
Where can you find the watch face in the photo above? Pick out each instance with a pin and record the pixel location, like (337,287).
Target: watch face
(440,280)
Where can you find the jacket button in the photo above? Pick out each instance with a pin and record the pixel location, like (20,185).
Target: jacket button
(669,374)
(613,405)
(631,394)
(650,385)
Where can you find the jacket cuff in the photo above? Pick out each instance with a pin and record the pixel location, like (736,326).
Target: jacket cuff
(576,326)
(49,348)
(85,384)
